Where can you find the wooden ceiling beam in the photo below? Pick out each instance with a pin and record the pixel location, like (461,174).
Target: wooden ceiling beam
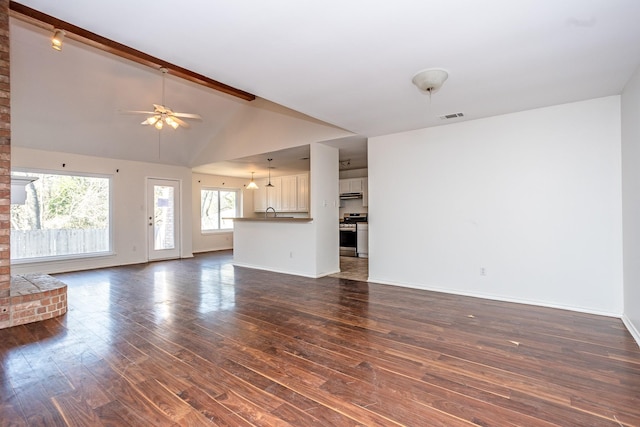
(50,23)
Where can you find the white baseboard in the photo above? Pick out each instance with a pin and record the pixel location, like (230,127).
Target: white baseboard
(631,328)
(293,273)
(496,298)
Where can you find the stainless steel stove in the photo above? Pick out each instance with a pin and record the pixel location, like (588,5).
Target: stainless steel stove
(348,233)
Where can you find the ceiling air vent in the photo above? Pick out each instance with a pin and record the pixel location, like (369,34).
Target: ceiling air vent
(451,116)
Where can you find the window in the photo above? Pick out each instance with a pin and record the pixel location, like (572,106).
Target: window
(63,215)
(215,205)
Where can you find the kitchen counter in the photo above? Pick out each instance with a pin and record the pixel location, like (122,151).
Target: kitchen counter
(272,219)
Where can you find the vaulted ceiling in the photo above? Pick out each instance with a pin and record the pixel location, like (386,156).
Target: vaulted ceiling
(348,64)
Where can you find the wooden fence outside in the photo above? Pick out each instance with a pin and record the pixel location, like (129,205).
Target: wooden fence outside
(44,243)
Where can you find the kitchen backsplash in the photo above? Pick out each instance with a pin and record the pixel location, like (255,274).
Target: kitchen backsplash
(351,206)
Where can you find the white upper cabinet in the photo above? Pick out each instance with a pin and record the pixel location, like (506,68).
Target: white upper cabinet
(260,196)
(267,197)
(288,194)
(344,186)
(303,193)
(356,185)
(351,185)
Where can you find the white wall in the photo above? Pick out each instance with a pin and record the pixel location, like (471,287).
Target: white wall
(631,202)
(534,198)
(325,202)
(128,208)
(204,242)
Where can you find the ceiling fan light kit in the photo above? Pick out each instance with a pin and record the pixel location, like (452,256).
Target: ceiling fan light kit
(430,80)
(162,115)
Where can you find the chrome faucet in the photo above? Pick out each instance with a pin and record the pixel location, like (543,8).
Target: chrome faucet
(267,211)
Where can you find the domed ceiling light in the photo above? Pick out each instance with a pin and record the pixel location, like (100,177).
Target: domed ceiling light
(430,80)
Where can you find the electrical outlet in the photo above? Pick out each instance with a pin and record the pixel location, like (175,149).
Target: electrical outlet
(290,254)
(483,271)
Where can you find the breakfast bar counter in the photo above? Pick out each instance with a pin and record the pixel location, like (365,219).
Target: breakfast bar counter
(272,219)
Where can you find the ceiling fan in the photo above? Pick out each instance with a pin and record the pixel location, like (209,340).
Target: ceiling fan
(162,115)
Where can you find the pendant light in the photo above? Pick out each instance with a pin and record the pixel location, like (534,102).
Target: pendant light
(252,185)
(269,184)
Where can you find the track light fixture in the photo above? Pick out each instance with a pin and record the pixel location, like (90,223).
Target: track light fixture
(57,39)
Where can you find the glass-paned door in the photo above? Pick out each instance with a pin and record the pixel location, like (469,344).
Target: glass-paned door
(163,214)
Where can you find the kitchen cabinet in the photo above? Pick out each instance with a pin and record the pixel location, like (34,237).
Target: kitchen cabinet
(303,193)
(344,186)
(288,194)
(265,197)
(356,185)
(352,185)
(260,196)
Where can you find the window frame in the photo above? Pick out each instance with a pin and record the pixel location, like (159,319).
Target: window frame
(111,234)
(238,209)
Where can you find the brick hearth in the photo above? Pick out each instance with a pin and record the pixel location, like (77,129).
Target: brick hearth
(33,297)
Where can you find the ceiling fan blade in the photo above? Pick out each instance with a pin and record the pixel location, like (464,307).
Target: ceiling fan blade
(136,112)
(188,115)
(180,122)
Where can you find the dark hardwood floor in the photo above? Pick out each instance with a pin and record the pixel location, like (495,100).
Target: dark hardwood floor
(199,342)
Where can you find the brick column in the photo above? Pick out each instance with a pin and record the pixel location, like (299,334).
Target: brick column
(5,159)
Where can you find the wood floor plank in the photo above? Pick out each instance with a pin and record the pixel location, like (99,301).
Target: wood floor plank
(200,342)
(129,396)
(85,383)
(11,413)
(115,414)
(38,408)
(211,409)
(163,399)
(75,410)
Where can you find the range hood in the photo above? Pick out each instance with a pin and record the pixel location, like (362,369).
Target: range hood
(347,196)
